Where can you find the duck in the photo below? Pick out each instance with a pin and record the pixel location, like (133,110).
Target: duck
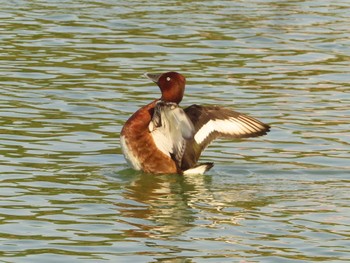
(164,138)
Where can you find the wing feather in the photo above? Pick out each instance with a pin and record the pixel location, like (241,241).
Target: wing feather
(211,122)
(170,127)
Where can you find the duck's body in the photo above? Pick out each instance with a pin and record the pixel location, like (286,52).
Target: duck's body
(139,147)
(162,138)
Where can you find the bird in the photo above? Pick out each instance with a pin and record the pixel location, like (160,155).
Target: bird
(164,138)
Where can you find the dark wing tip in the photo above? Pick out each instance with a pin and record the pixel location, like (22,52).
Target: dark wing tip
(256,128)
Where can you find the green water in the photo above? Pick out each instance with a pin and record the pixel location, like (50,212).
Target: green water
(70,76)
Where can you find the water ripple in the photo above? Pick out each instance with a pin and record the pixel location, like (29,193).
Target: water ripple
(71,75)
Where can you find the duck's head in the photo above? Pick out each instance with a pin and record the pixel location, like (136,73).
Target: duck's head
(171,84)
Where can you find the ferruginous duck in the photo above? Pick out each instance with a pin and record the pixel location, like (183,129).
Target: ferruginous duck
(163,138)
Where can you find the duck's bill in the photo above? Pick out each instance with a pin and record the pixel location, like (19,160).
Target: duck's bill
(153,77)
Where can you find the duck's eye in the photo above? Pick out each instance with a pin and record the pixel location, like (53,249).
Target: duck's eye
(168,79)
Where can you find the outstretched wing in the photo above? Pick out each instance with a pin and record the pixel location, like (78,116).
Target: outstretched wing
(170,128)
(211,122)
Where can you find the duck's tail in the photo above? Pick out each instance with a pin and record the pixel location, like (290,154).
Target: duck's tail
(200,168)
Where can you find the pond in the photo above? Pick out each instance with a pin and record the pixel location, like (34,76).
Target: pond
(71,75)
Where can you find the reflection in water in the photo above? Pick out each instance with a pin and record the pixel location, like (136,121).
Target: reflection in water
(165,204)
(169,205)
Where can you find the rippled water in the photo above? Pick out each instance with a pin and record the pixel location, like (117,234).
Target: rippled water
(70,76)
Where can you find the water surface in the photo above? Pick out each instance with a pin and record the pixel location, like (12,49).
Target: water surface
(70,76)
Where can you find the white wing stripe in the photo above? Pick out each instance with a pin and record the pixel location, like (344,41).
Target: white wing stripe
(204,132)
(227,126)
(250,128)
(231,126)
(243,128)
